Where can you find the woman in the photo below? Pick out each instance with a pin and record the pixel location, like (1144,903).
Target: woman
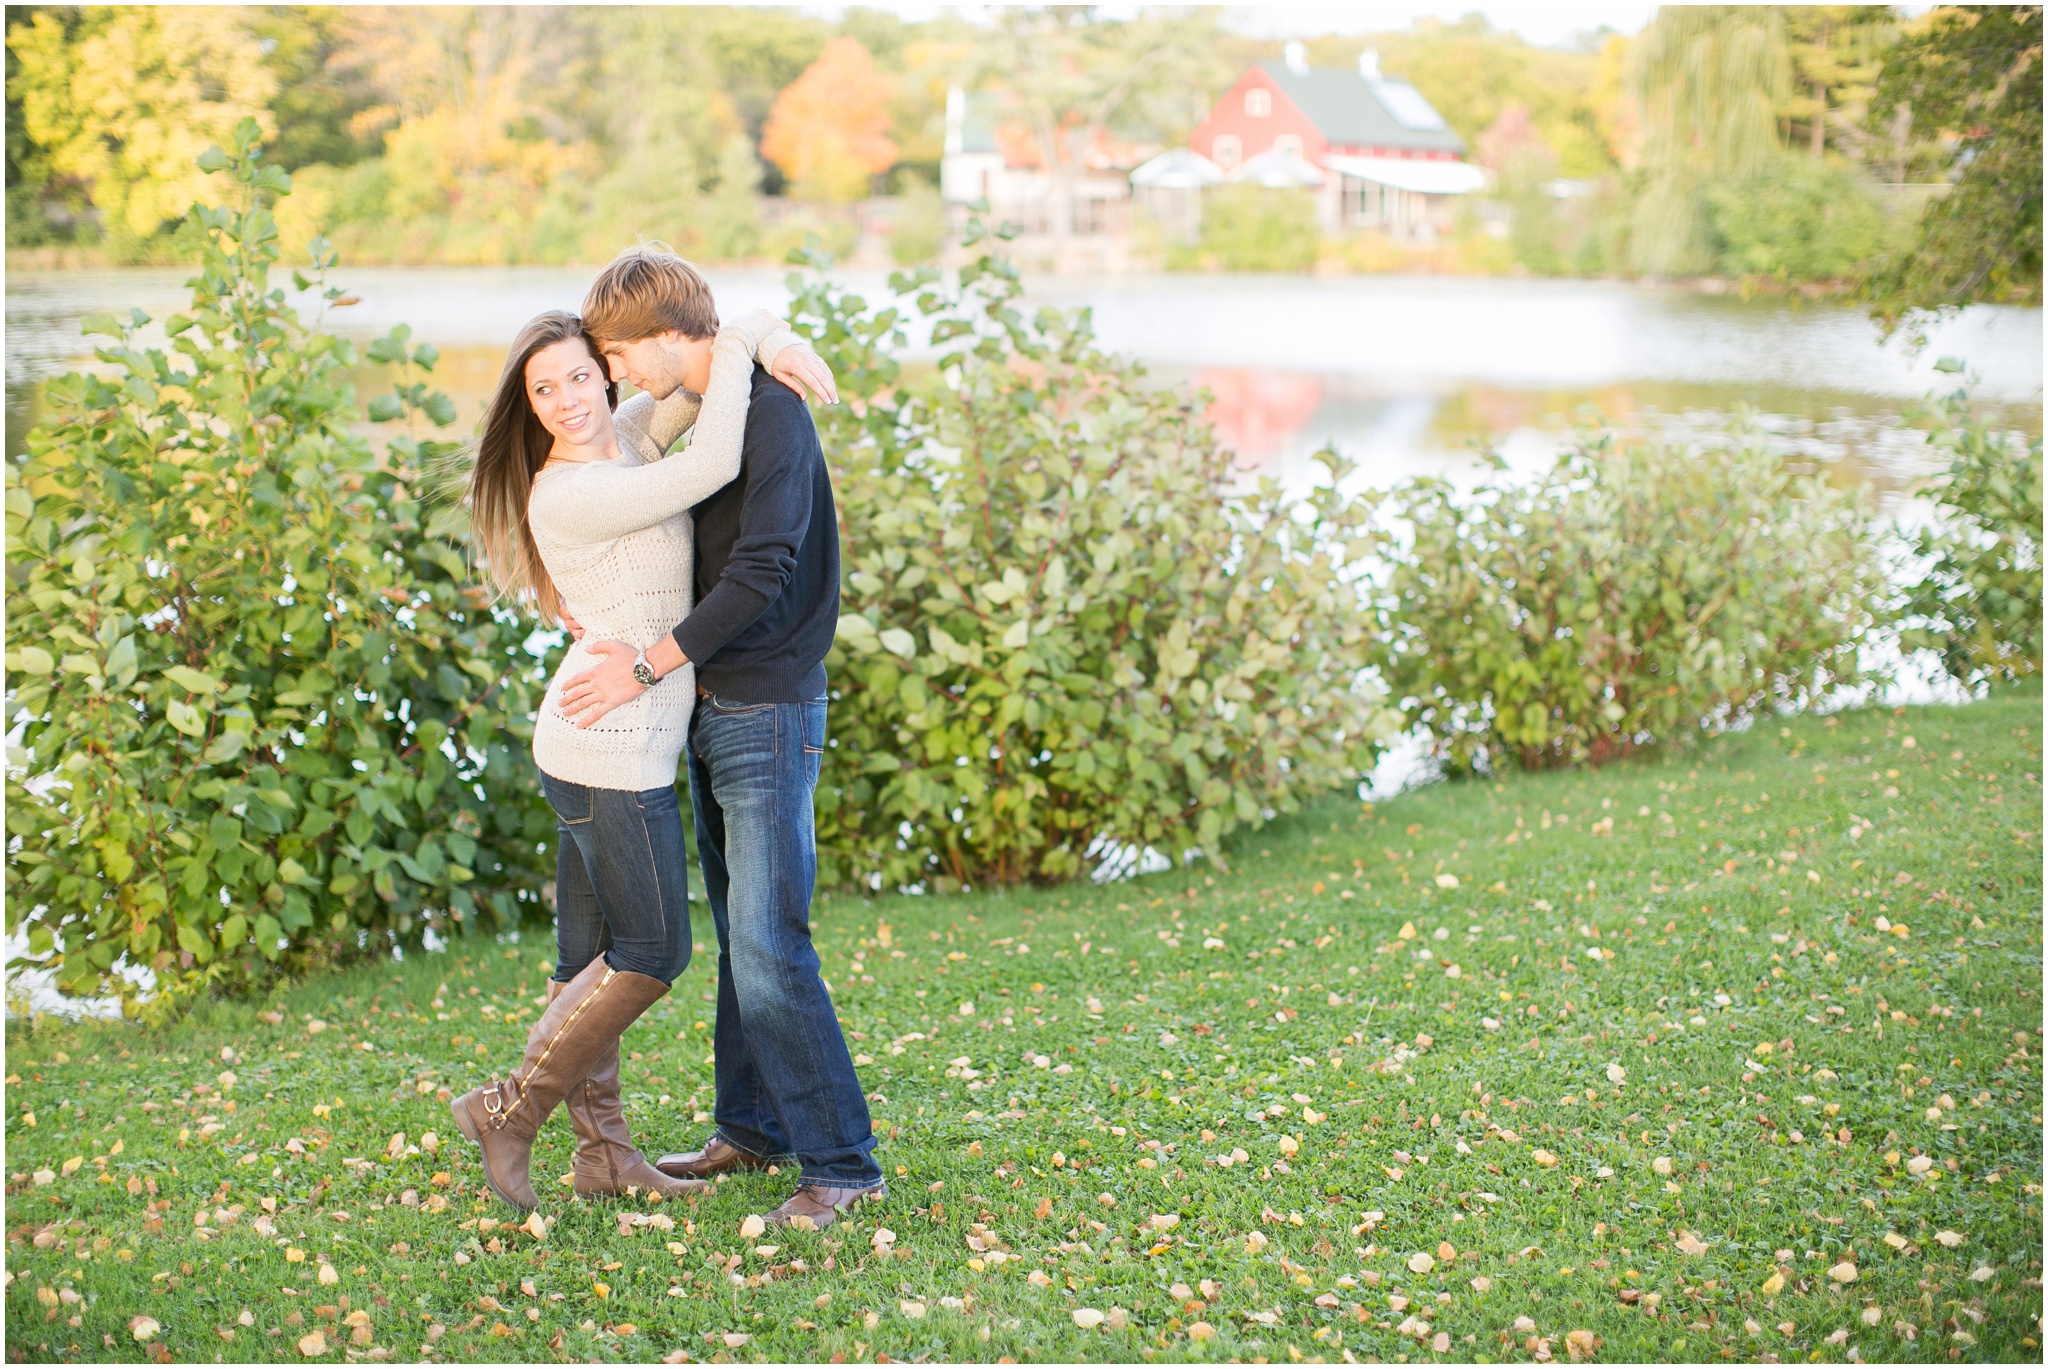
(574,507)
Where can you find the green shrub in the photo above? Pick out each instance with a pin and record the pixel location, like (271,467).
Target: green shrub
(1252,228)
(1630,596)
(1979,603)
(920,228)
(263,719)
(1068,631)
(1801,220)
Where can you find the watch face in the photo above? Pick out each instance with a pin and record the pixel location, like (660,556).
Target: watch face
(644,674)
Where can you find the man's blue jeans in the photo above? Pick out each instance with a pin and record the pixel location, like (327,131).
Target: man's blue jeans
(786,1084)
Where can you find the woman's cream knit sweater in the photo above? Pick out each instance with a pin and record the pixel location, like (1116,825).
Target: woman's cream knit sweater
(616,537)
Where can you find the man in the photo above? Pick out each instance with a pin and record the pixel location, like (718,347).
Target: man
(767,604)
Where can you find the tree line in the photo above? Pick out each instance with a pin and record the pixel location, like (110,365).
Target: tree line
(1822,143)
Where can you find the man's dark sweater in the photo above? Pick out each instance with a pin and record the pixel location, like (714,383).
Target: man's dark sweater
(767,562)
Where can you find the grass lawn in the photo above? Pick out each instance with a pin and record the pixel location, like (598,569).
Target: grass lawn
(1732,1055)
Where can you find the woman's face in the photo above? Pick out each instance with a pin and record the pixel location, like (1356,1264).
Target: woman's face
(565,384)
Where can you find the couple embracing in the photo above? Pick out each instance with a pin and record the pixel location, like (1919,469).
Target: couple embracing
(703,591)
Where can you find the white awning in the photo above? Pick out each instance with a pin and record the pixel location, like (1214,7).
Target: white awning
(1181,169)
(1419,175)
(1278,168)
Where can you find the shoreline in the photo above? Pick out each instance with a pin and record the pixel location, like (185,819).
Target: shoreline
(55,260)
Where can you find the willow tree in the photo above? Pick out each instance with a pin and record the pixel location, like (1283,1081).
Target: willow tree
(1710,82)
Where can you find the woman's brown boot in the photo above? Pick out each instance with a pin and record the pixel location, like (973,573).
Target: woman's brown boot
(607,1162)
(589,1014)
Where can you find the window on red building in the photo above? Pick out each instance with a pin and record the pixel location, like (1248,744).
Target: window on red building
(1258,103)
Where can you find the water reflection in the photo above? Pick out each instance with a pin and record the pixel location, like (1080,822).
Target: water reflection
(1407,375)
(1276,421)
(1260,414)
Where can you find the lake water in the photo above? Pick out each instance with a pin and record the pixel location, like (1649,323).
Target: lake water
(1405,374)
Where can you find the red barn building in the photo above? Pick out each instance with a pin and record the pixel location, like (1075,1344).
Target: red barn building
(1387,158)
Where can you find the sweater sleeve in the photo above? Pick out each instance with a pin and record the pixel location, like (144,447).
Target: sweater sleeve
(605,500)
(775,513)
(651,427)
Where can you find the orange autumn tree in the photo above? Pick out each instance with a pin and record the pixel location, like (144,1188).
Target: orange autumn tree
(829,128)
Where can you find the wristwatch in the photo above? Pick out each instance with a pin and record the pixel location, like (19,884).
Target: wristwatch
(644,672)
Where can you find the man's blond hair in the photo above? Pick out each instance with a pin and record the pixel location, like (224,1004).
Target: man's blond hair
(647,290)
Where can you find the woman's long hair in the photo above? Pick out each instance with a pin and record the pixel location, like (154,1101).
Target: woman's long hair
(508,455)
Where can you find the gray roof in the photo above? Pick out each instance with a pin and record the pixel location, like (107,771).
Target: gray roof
(1351,110)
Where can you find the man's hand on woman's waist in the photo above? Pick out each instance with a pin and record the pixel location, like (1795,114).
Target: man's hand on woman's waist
(610,684)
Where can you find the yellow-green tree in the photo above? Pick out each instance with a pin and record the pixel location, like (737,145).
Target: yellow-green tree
(125,101)
(677,162)
(1070,77)
(1709,82)
(1837,53)
(829,128)
(478,100)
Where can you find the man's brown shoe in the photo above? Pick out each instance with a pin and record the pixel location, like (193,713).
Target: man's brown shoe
(717,1157)
(814,1209)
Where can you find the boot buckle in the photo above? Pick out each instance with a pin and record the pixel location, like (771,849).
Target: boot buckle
(494,1102)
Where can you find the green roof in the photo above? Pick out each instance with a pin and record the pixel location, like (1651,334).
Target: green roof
(1353,111)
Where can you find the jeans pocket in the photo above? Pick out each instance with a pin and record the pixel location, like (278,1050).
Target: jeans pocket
(574,804)
(658,800)
(730,709)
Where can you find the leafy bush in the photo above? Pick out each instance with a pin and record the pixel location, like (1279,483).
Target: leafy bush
(1252,228)
(1068,630)
(1979,603)
(1799,220)
(920,227)
(261,714)
(1631,596)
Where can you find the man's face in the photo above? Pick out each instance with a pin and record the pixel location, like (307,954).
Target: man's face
(662,364)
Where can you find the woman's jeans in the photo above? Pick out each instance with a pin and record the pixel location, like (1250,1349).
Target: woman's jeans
(786,1084)
(621,885)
